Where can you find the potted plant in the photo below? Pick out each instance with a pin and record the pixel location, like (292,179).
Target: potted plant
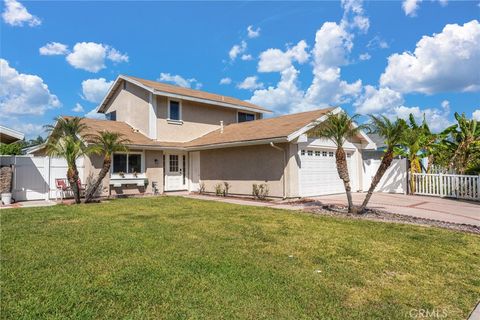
(6,185)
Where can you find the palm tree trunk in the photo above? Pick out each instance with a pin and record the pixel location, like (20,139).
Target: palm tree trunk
(107,162)
(72,175)
(342,169)
(384,165)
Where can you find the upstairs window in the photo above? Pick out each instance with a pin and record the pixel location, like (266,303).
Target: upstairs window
(243,117)
(174,112)
(111,116)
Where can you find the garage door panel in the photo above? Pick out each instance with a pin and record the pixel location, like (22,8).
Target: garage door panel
(318,174)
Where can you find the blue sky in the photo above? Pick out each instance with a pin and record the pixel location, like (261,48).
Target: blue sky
(382,57)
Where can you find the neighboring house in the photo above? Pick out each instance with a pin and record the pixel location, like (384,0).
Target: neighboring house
(8,135)
(181,138)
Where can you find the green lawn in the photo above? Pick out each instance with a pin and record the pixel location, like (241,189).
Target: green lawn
(175,258)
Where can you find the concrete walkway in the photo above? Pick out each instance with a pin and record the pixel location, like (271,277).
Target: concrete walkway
(447,210)
(29,204)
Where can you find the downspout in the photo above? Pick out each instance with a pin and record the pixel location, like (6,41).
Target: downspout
(284,167)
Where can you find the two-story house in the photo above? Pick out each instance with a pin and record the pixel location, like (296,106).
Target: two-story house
(181,138)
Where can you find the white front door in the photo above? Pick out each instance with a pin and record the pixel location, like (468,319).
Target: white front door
(175,171)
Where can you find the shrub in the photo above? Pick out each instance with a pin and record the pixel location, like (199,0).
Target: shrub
(201,188)
(11,149)
(219,189)
(226,188)
(260,191)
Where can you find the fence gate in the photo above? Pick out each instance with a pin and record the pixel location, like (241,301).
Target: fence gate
(447,185)
(34,177)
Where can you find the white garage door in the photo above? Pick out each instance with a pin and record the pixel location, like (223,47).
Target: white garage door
(318,172)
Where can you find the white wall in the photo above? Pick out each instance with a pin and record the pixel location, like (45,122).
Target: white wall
(34,177)
(393,181)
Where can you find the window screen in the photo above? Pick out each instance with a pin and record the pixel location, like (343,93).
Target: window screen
(134,163)
(243,117)
(174,110)
(119,163)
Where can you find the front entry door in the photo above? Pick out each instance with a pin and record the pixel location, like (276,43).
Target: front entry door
(175,171)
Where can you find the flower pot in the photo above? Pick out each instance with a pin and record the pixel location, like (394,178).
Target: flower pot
(7,198)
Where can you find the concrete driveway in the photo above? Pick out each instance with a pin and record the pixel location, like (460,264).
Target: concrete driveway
(449,210)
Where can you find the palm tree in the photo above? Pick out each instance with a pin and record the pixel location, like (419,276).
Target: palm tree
(393,133)
(71,149)
(338,128)
(465,141)
(105,142)
(66,140)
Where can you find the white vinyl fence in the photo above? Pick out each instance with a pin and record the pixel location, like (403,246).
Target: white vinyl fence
(447,185)
(34,177)
(393,181)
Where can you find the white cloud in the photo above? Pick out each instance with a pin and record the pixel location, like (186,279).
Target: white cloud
(284,96)
(53,49)
(237,50)
(410,7)
(179,80)
(377,100)
(15,14)
(250,83)
(377,42)
(246,57)
(78,108)
(93,114)
(276,60)
(354,16)
(436,118)
(94,90)
(476,115)
(365,56)
(90,56)
(23,93)
(226,80)
(116,56)
(253,33)
(445,62)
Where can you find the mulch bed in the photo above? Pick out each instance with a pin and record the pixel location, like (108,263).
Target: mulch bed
(380,215)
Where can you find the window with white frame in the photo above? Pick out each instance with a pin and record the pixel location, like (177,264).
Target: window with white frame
(174,110)
(330,154)
(317,153)
(127,163)
(324,153)
(310,152)
(173,162)
(302,152)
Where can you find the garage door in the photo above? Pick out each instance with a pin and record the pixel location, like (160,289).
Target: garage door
(318,172)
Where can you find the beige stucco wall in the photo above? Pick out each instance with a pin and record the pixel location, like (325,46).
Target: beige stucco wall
(291,171)
(153,172)
(198,119)
(131,105)
(243,166)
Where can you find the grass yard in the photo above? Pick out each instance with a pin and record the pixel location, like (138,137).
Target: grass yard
(176,258)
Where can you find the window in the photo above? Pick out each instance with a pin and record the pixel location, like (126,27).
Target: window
(330,154)
(302,152)
(173,163)
(310,152)
(174,110)
(111,116)
(243,117)
(317,153)
(127,163)
(324,153)
(349,155)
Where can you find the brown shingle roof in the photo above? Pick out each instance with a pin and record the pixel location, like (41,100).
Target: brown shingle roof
(135,137)
(278,127)
(164,87)
(271,128)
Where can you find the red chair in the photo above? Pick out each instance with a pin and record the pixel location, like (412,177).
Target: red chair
(61,187)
